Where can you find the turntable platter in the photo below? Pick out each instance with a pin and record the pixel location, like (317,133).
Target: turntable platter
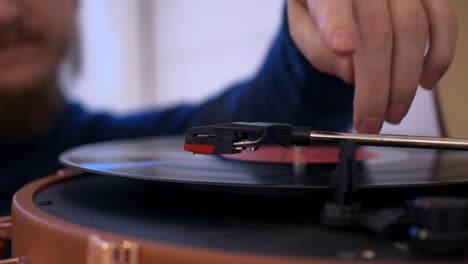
(163,159)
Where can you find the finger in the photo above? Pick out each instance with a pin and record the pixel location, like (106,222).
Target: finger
(335,20)
(306,35)
(372,64)
(443,26)
(410,33)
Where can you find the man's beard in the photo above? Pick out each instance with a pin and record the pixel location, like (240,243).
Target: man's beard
(30,113)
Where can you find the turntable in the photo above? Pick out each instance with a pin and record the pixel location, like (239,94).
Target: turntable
(298,196)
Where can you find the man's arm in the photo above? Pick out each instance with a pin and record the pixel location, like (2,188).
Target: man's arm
(285,89)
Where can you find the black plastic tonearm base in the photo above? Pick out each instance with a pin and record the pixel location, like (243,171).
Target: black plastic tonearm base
(342,211)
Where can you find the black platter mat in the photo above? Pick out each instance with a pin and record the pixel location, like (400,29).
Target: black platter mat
(247,223)
(163,159)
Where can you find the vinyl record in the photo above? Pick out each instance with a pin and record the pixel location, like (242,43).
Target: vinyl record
(271,167)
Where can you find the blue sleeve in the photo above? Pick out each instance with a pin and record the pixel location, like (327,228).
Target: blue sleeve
(286,89)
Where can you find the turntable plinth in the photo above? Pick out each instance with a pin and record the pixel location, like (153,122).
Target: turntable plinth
(73,218)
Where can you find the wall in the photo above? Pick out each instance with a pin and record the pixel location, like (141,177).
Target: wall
(453,90)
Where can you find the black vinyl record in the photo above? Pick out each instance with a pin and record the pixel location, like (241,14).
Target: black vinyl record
(271,167)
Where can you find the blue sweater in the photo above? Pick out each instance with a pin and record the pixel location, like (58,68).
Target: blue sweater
(285,89)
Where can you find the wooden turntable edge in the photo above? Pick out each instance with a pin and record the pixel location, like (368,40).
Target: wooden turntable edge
(43,238)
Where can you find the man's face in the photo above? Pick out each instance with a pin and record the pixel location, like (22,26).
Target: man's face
(33,37)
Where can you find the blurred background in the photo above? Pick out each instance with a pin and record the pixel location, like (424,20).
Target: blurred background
(138,54)
(154,53)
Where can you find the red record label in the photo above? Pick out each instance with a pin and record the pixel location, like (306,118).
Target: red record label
(311,154)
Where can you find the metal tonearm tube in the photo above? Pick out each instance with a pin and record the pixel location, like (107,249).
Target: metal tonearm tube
(232,138)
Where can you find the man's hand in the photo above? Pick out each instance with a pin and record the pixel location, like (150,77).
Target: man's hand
(380,46)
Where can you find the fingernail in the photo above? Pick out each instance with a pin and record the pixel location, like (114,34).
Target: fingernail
(430,81)
(343,40)
(395,113)
(370,125)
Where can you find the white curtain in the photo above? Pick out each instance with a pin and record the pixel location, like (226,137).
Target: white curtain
(146,53)
(112,51)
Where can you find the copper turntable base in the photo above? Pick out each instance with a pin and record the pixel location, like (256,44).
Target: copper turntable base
(145,201)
